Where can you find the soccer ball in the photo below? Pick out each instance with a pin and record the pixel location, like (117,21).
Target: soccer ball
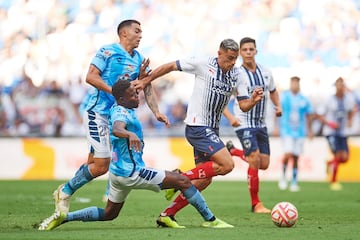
(284,214)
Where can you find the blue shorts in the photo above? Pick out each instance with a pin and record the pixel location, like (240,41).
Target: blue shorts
(253,139)
(205,141)
(338,143)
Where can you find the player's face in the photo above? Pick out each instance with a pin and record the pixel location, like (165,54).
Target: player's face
(295,86)
(248,52)
(131,98)
(134,34)
(340,87)
(227,59)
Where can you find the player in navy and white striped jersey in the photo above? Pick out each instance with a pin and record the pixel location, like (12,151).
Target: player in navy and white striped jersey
(110,62)
(337,117)
(216,79)
(251,129)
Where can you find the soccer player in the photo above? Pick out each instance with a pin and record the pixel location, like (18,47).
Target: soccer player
(337,117)
(110,62)
(252,131)
(216,79)
(294,125)
(128,171)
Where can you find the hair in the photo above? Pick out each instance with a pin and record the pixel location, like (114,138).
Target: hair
(119,88)
(126,23)
(295,78)
(247,40)
(340,79)
(229,44)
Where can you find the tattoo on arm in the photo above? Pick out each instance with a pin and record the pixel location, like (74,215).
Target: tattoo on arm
(151,99)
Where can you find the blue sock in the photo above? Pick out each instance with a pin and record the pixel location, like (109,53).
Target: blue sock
(82,176)
(294,176)
(195,198)
(87,215)
(284,170)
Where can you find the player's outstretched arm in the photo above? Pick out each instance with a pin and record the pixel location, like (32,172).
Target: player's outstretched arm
(158,72)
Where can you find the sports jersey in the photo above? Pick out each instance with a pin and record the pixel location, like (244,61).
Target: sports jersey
(337,110)
(125,161)
(295,107)
(212,90)
(113,61)
(249,81)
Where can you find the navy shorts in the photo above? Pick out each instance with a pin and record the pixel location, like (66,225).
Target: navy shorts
(205,141)
(253,139)
(338,143)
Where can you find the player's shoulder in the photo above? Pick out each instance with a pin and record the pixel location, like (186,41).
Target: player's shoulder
(263,68)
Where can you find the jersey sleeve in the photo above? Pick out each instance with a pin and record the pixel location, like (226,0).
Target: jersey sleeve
(101,58)
(242,88)
(272,86)
(118,113)
(189,65)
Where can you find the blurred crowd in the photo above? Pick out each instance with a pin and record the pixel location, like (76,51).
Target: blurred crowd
(46,47)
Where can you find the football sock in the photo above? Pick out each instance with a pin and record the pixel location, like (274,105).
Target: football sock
(179,203)
(284,169)
(238,153)
(335,170)
(204,170)
(82,176)
(87,215)
(294,176)
(253,185)
(197,200)
(295,170)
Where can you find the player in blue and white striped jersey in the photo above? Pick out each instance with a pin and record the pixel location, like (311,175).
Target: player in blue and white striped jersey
(337,116)
(252,131)
(111,61)
(216,79)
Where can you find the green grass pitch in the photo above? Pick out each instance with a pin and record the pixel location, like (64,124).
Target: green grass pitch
(323,214)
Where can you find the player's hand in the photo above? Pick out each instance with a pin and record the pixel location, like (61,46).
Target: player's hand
(257,94)
(140,83)
(145,63)
(162,118)
(278,111)
(235,122)
(332,125)
(135,143)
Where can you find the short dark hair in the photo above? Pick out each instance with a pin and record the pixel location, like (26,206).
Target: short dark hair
(295,78)
(229,44)
(247,40)
(119,88)
(126,23)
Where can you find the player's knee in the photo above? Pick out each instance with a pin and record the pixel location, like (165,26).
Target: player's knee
(227,167)
(183,182)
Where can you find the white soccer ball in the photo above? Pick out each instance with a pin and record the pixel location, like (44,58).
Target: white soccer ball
(284,214)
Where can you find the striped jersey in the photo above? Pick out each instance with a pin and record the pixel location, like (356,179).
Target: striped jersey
(212,90)
(125,161)
(337,110)
(113,61)
(262,77)
(295,108)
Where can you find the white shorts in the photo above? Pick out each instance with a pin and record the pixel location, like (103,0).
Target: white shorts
(293,145)
(148,179)
(97,134)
